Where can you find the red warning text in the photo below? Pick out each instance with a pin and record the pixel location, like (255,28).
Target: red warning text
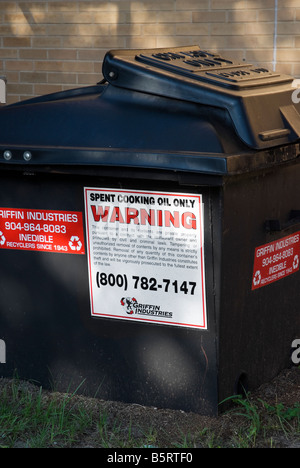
(144,217)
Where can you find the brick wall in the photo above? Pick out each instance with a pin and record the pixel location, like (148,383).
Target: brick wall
(47,46)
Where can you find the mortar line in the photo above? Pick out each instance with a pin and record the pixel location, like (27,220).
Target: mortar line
(275,36)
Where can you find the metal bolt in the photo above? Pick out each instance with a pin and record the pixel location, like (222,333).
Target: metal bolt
(113,75)
(7,155)
(27,156)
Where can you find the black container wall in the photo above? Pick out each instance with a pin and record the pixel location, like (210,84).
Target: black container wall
(257,327)
(225,136)
(45,305)
(47,325)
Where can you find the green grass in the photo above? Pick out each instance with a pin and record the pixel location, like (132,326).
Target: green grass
(38,419)
(264,422)
(33,418)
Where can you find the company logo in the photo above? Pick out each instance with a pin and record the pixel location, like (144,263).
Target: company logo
(296,353)
(75,243)
(2,352)
(133,307)
(128,303)
(257,278)
(2,238)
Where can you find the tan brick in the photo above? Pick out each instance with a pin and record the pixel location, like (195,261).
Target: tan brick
(33,77)
(288,3)
(88,79)
(286,14)
(174,17)
(16,42)
(63,17)
(9,53)
(192,5)
(126,5)
(89,55)
(41,89)
(285,42)
(289,28)
(141,17)
(160,29)
(262,4)
(11,76)
(93,29)
(235,54)
(284,68)
(33,6)
(97,67)
(62,54)
(12,98)
(46,42)
(63,6)
(158,5)
(177,41)
(259,28)
(62,43)
(145,42)
(62,30)
(20,65)
(23,30)
(236,29)
(127,29)
(266,15)
(12,18)
(288,55)
(8,6)
(245,41)
(87,67)
(261,55)
(48,65)
(19,88)
(110,42)
(242,16)
(195,29)
(229,4)
(77,41)
(6,30)
(100,6)
(296,70)
(33,54)
(110,17)
(209,16)
(61,78)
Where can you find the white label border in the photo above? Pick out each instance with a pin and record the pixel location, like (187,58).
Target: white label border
(174,294)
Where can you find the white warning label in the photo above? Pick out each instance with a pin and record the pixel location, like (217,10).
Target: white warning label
(146,256)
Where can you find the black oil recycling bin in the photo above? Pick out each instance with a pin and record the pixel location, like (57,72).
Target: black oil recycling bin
(150,231)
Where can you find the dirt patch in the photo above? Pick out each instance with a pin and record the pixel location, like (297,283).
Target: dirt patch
(175,428)
(265,419)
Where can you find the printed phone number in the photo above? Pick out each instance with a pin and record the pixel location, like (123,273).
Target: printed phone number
(144,283)
(31,227)
(277,257)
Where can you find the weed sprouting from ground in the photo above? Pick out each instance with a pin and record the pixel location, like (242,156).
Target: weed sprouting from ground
(35,418)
